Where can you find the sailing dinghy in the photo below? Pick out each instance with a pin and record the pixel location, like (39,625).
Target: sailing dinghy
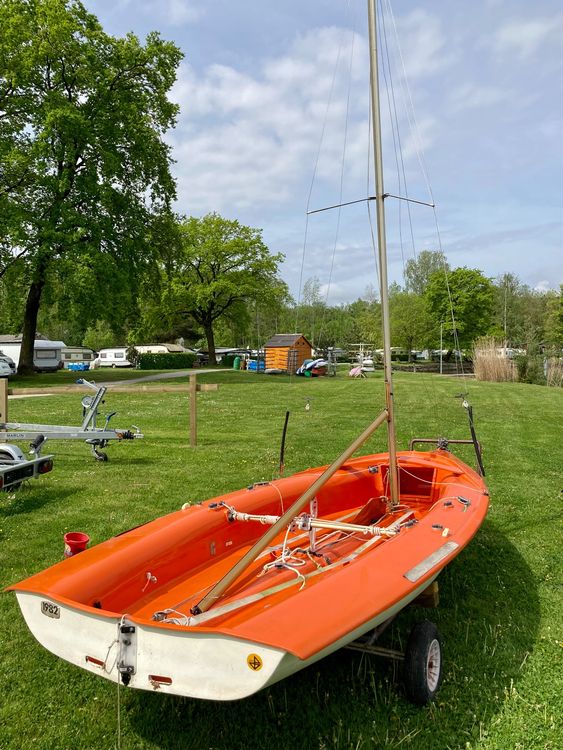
(223,599)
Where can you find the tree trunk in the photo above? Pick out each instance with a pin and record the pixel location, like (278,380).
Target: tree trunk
(25,366)
(208,329)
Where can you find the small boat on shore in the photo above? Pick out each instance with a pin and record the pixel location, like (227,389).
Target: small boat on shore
(128,608)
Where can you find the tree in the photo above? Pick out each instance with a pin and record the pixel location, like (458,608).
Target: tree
(222,264)
(409,319)
(510,299)
(12,297)
(463,302)
(367,314)
(553,329)
(419,270)
(311,314)
(84,164)
(99,336)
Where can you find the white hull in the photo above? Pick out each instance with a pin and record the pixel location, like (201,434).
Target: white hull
(191,663)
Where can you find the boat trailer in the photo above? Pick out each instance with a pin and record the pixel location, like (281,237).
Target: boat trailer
(15,468)
(422,658)
(96,437)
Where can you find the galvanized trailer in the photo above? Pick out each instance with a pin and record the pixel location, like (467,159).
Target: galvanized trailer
(96,437)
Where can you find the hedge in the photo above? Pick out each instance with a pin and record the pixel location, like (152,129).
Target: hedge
(177,361)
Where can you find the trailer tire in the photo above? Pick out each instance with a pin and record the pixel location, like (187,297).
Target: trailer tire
(423,663)
(101,456)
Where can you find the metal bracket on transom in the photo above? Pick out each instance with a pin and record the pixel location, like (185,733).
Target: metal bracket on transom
(127,640)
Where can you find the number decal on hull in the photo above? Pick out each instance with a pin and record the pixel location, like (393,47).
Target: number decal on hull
(51,610)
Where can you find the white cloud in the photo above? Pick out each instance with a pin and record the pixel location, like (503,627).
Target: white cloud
(419,141)
(425,47)
(244,139)
(527,36)
(170,12)
(473,96)
(251,139)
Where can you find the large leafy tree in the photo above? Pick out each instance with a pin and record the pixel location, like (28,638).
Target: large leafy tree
(83,162)
(419,270)
(221,265)
(463,302)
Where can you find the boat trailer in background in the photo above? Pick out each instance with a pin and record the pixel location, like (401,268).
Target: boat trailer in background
(96,437)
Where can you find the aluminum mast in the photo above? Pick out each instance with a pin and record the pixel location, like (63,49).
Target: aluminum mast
(382,251)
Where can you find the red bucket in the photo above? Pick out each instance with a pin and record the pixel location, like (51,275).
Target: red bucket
(75,542)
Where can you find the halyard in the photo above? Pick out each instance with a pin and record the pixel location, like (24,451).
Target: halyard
(501,600)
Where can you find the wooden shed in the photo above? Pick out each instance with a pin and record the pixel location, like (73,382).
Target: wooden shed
(287,351)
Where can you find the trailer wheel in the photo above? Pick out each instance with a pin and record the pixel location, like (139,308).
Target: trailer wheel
(423,663)
(101,456)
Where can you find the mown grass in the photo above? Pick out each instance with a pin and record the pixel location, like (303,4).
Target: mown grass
(501,600)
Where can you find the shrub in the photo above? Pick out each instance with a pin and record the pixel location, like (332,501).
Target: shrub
(175,361)
(530,369)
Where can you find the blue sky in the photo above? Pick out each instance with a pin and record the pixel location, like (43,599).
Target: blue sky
(485,80)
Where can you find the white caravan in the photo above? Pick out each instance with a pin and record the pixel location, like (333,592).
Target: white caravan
(113,357)
(77,355)
(47,355)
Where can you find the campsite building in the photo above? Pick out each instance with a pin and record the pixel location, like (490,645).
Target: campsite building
(287,351)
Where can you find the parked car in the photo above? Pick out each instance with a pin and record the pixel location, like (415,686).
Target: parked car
(9,361)
(5,369)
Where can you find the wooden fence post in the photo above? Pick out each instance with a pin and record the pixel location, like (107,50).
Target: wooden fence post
(193,390)
(3,399)
(193,411)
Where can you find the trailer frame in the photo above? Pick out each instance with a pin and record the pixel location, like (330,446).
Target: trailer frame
(96,437)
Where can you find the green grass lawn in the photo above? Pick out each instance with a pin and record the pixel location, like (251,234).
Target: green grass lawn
(501,612)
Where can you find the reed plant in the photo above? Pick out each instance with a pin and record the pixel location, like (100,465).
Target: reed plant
(554,372)
(489,364)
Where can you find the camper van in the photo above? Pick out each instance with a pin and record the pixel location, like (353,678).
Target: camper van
(113,357)
(77,357)
(47,355)
(161,349)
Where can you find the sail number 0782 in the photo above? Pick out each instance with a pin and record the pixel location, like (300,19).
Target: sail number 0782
(50,609)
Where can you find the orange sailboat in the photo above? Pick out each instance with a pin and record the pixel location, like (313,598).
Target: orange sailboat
(222,599)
